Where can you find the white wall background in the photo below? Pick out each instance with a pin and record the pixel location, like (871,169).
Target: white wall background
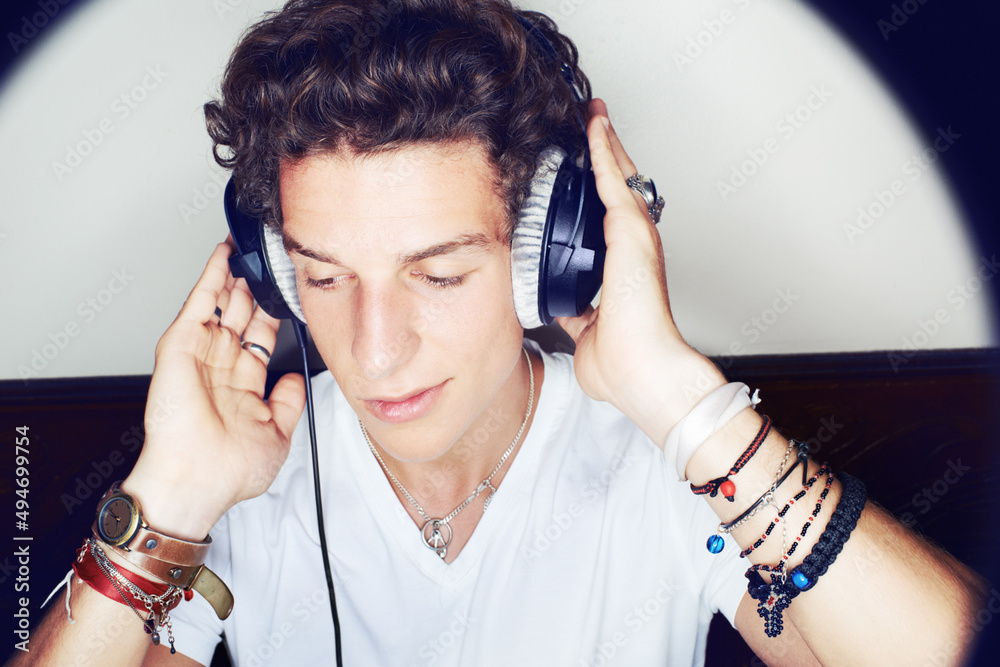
(104,248)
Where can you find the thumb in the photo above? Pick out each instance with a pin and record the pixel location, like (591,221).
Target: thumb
(575,326)
(286,401)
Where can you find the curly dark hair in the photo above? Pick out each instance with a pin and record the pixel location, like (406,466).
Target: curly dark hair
(367,76)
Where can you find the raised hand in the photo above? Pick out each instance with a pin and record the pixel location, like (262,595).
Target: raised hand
(629,351)
(211,439)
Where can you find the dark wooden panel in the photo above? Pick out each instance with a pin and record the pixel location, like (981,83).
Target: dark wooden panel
(899,426)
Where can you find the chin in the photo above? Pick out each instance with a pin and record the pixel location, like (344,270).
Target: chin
(413,442)
(405,444)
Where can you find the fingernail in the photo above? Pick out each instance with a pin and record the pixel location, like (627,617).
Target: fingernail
(607,123)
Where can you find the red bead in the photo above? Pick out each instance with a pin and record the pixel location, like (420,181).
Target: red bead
(728,489)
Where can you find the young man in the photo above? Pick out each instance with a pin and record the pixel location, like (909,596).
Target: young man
(485,503)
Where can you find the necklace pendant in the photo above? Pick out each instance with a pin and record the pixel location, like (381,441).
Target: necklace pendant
(437,536)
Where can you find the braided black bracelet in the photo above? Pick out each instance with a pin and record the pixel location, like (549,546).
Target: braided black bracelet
(774,598)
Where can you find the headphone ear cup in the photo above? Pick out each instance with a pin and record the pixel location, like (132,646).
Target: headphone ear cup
(558,249)
(529,232)
(262,261)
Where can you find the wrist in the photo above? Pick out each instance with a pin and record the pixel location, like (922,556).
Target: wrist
(670,385)
(170,511)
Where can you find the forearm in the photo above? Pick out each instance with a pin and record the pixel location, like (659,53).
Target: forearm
(888,598)
(103,615)
(103,632)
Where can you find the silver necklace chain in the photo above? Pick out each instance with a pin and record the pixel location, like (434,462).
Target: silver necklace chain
(437,533)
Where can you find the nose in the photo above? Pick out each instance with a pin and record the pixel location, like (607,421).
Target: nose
(384,335)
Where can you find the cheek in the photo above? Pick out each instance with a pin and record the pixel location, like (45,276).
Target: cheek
(483,313)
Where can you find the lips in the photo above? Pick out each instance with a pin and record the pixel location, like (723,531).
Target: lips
(396,411)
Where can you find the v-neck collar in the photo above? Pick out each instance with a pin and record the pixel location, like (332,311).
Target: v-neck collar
(381,498)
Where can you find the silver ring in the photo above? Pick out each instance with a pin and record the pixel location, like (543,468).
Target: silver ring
(647,190)
(247,345)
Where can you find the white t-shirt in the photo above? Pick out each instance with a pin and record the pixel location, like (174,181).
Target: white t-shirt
(591,554)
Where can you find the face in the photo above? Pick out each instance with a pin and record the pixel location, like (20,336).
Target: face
(406,287)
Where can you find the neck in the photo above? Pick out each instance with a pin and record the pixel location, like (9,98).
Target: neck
(439,486)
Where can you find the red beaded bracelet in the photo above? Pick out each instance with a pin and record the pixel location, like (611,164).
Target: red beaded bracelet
(823,470)
(723,483)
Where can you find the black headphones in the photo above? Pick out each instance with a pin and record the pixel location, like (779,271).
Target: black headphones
(557,251)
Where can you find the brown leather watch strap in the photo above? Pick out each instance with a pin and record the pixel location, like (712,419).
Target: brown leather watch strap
(166,548)
(182,575)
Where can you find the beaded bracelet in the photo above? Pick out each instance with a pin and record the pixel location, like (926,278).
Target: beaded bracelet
(724,484)
(768,497)
(774,597)
(823,470)
(715,543)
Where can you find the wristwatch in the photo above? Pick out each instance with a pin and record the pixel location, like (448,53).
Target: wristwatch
(118,518)
(120,525)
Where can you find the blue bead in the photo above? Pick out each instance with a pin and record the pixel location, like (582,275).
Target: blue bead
(715,544)
(800,580)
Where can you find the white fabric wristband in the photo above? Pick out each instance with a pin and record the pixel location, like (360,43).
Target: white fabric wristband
(711,414)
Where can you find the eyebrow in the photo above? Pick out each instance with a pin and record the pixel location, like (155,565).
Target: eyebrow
(477,241)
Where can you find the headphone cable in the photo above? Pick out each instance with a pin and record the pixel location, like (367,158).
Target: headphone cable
(300,336)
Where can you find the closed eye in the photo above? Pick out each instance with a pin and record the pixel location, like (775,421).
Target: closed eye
(326,283)
(451,281)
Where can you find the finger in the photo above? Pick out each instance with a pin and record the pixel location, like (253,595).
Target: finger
(240,308)
(223,304)
(599,107)
(286,402)
(575,326)
(203,299)
(262,330)
(616,195)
